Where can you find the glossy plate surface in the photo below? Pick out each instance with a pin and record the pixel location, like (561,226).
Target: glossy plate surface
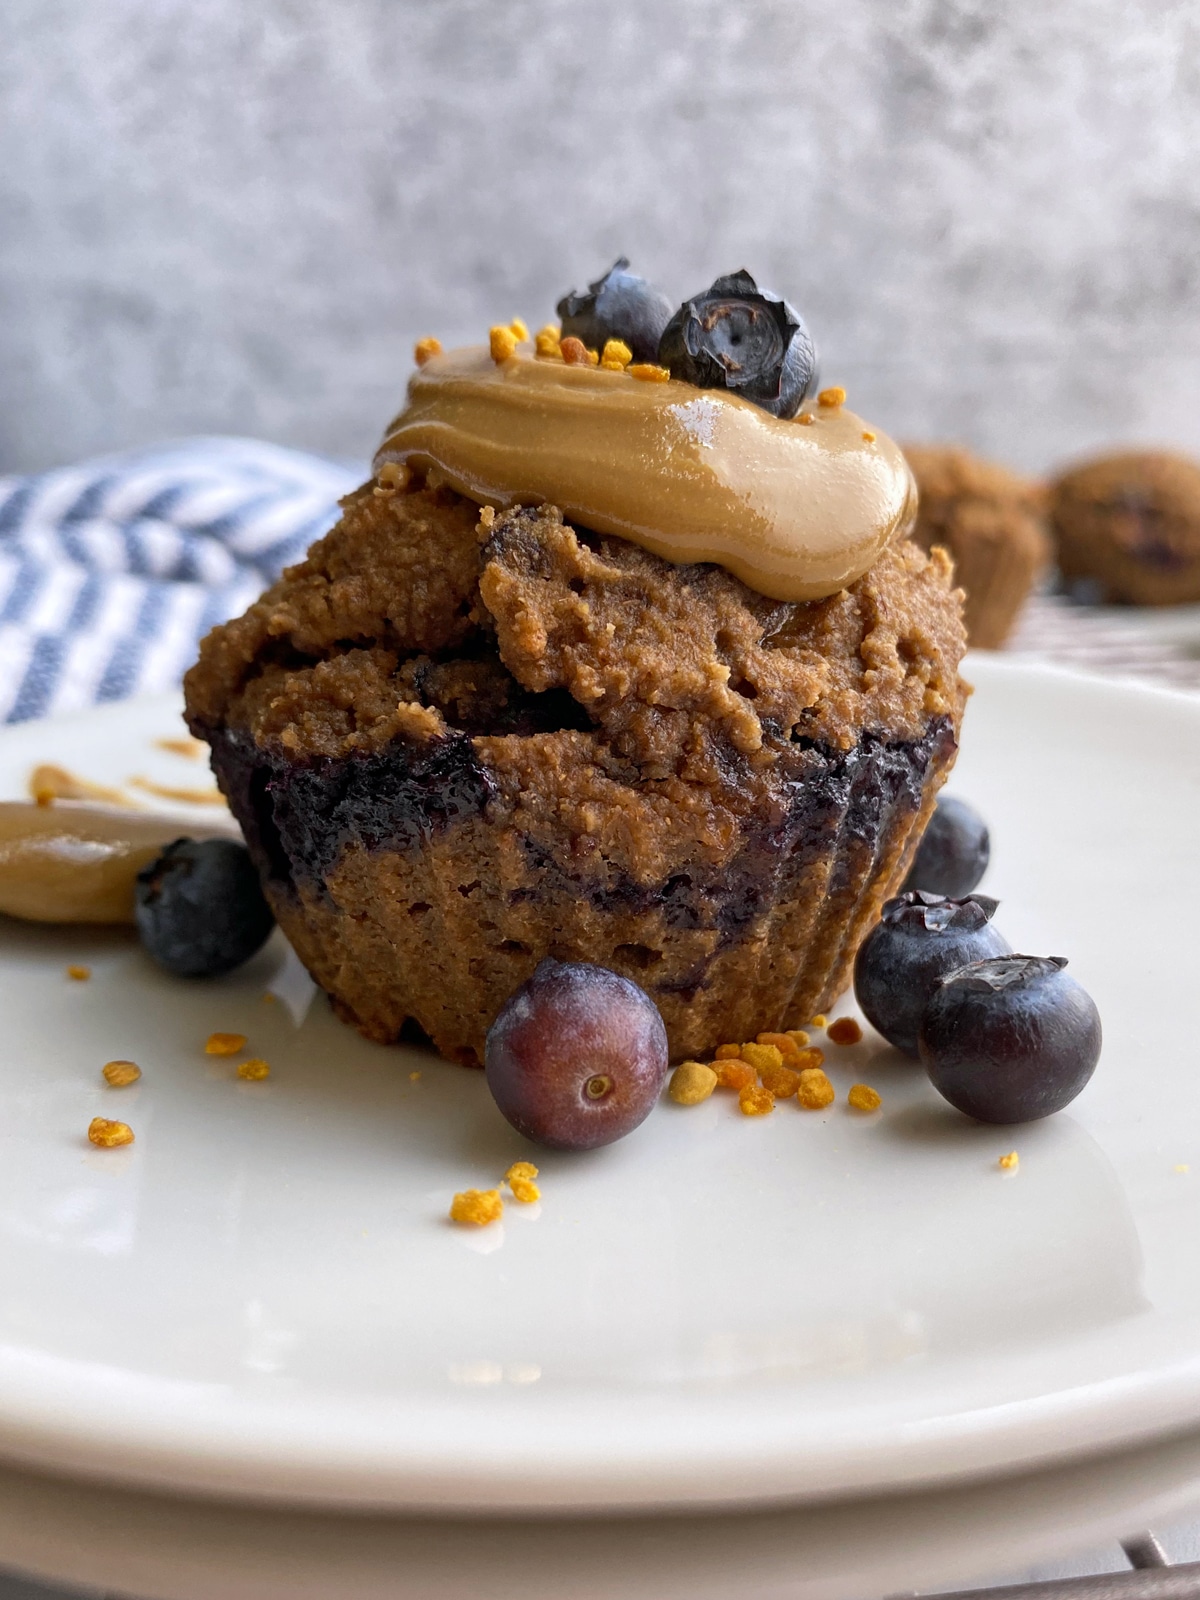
(262,1296)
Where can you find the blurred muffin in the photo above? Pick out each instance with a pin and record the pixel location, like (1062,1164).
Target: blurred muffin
(991,523)
(1128,527)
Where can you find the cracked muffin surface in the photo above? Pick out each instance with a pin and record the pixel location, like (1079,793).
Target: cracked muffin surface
(458,742)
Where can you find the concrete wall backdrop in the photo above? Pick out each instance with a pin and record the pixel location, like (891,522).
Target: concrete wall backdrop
(227,217)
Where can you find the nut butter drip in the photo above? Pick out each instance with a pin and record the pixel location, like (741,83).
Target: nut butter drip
(795,511)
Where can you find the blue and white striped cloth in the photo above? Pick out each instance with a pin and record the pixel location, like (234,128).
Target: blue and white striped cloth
(112,570)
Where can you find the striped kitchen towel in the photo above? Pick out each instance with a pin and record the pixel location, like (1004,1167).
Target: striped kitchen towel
(112,570)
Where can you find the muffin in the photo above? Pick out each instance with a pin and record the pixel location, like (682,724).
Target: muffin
(992,524)
(485,721)
(1127,528)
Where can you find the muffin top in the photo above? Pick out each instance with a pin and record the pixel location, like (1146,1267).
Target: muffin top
(420,614)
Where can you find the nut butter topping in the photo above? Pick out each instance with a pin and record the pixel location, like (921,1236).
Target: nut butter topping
(796,512)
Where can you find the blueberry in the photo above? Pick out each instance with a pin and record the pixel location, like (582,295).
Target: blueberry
(953,854)
(620,305)
(199,908)
(738,337)
(577,1056)
(1010,1039)
(918,939)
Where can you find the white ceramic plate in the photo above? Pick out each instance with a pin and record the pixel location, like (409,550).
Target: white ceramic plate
(128,1542)
(262,1296)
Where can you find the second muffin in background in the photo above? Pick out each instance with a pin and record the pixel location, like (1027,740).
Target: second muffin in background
(991,523)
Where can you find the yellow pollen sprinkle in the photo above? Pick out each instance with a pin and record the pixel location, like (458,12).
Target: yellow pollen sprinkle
(616,355)
(1182,1166)
(832,397)
(414,1077)
(521,1169)
(691,1082)
(548,341)
(477,1207)
(1011,1161)
(815,1091)
(224,1044)
(798,1036)
(863,1098)
(756,1102)
(425,349)
(254,1070)
(79,974)
(807,418)
(819,1021)
(761,1056)
(844,1031)
(868,436)
(108,1135)
(120,1074)
(648,372)
(525,1191)
(517,327)
(502,342)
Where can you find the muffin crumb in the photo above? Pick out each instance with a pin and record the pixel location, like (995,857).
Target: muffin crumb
(863,1098)
(120,1074)
(108,1135)
(691,1082)
(477,1207)
(224,1044)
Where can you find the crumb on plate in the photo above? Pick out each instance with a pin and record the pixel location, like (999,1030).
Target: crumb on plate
(477,1207)
(844,1031)
(224,1044)
(863,1098)
(108,1135)
(120,1074)
(691,1082)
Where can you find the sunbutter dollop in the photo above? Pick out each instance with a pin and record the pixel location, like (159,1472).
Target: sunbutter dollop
(795,511)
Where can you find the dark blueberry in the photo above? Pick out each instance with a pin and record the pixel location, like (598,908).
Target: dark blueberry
(1010,1039)
(953,854)
(199,908)
(738,337)
(577,1056)
(918,939)
(620,305)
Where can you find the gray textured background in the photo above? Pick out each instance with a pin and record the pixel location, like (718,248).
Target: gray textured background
(227,217)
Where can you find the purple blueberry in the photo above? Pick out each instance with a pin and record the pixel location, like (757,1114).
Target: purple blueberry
(738,337)
(1010,1039)
(577,1056)
(953,854)
(918,939)
(199,908)
(620,305)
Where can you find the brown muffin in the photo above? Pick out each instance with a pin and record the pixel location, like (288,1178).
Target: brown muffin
(458,742)
(1129,527)
(991,523)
